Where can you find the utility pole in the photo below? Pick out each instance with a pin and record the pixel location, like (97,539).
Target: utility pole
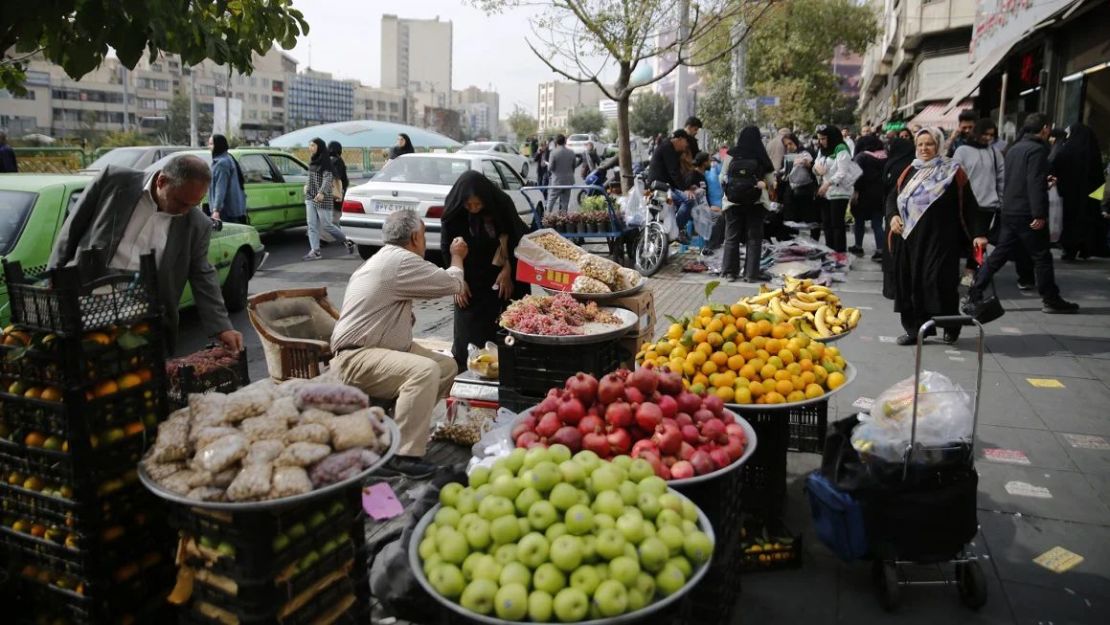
(125,79)
(227,104)
(739,70)
(681,81)
(193,107)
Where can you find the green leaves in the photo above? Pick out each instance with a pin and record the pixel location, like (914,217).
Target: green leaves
(710,287)
(650,114)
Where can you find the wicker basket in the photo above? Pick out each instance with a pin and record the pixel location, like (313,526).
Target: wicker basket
(295,327)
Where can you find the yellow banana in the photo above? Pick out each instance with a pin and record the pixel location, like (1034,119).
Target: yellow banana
(819,288)
(832,298)
(803,305)
(853,319)
(793,311)
(803,296)
(809,330)
(830,316)
(763,298)
(776,307)
(819,295)
(842,316)
(819,321)
(837,330)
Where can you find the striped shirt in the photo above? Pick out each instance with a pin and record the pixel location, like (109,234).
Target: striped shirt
(377,309)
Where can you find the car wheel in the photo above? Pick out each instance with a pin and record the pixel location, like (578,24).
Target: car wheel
(524,171)
(366,251)
(235,287)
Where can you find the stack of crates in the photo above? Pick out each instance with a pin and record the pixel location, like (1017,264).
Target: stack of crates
(529,370)
(82,390)
(290,565)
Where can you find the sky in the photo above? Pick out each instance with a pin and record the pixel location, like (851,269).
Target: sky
(344,39)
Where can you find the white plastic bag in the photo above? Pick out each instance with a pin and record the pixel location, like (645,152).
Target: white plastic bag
(704,218)
(944,416)
(1055,215)
(632,205)
(670,224)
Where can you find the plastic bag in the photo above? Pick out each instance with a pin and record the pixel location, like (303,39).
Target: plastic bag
(670,223)
(463,423)
(496,442)
(704,218)
(632,205)
(944,417)
(1055,215)
(482,361)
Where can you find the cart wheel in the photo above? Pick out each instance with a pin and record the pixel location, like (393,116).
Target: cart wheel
(972,584)
(886,581)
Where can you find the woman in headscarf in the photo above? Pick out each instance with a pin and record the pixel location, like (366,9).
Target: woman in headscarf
(930,219)
(226,196)
(319,200)
(833,164)
(751,162)
(867,205)
(339,169)
(404,146)
(1078,170)
(486,218)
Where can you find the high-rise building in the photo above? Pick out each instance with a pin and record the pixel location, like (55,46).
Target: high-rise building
(416,57)
(318,98)
(557,99)
(478,111)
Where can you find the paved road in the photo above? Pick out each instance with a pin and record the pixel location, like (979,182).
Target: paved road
(1048,487)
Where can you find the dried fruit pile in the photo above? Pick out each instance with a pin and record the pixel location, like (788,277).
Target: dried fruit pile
(647,413)
(553,315)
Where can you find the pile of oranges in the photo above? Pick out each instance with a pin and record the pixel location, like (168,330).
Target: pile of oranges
(746,358)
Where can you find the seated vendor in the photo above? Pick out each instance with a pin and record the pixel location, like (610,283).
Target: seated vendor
(372,341)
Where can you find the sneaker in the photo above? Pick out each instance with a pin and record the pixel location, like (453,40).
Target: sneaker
(312,255)
(877,257)
(857,250)
(906,339)
(350,246)
(1026,286)
(1060,306)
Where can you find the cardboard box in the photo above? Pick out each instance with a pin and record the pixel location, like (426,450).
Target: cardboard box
(643,305)
(557,279)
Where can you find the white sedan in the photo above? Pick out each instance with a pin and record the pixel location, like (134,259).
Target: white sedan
(503,151)
(421,182)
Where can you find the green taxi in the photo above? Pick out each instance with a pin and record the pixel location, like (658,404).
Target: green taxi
(33,208)
(274,182)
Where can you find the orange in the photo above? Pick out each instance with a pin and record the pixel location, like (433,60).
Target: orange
(741,382)
(763,355)
(719,358)
(725,393)
(817,349)
(775,398)
(780,331)
(728,378)
(729,348)
(706,349)
(688,369)
(700,336)
(795,396)
(739,310)
(700,378)
(836,380)
(786,355)
(767,372)
(808,377)
(794,368)
(764,327)
(747,372)
(735,362)
(807,364)
(715,339)
(709,367)
(821,374)
(799,385)
(105,388)
(141,328)
(695,323)
(756,389)
(751,329)
(34,439)
(715,326)
(759,342)
(776,362)
(782,374)
(696,357)
(129,380)
(133,428)
(742,396)
(757,364)
(814,391)
(728,320)
(784,387)
(746,349)
(772,345)
(730,332)
(33,393)
(98,337)
(51,393)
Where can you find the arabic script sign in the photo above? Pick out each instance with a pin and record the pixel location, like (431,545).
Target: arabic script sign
(1001,22)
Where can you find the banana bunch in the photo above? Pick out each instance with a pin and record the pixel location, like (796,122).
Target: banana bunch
(813,308)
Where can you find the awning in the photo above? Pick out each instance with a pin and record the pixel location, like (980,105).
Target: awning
(969,82)
(939,115)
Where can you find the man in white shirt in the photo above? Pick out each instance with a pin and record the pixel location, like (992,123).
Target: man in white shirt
(372,340)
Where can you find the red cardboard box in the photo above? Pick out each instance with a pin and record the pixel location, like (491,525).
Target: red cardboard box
(557,279)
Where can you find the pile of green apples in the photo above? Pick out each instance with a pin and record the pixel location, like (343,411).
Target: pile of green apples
(545,536)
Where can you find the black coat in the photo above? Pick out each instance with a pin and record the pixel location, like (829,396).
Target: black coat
(666,165)
(1025,191)
(869,186)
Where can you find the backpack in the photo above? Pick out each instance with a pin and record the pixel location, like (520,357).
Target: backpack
(743,181)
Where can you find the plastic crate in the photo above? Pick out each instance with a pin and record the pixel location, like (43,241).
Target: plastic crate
(68,304)
(764,474)
(715,599)
(768,547)
(220,380)
(510,399)
(721,500)
(337,597)
(532,369)
(806,425)
(75,363)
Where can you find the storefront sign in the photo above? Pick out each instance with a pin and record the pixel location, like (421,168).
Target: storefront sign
(1001,22)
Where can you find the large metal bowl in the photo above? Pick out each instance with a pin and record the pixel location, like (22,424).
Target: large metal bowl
(418,570)
(850,372)
(749,449)
(628,320)
(834,338)
(602,297)
(273,504)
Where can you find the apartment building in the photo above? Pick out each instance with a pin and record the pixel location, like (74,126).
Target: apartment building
(318,98)
(479,111)
(380,104)
(263,94)
(416,58)
(557,99)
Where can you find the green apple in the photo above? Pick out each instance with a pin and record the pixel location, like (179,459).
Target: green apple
(511,602)
(579,520)
(466,501)
(683,565)
(631,552)
(689,510)
(494,506)
(466,520)
(525,526)
(563,496)
(542,514)
(610,503)
(653,554)
(672,537)
(449,494)
(515,460)
(625,570)
(604,521)
(605,477)
(566,552)
(452,546)
(698,547)
(670,580)
(639,469)
(571,605)
(558,453)
(540,606)
(554,531)
(689,527)
(586,579)
(477,534)
(629,493)
(448,580)
(448,516)
(483,491)
(431,563)
(584,498)
(645,583)
(525,499)
(515,573)
(504,530)
(588,459)
(534,456)
(499,471)
(548,578)
(648,504)
(624,462)
(545,476)
(427,548)
(671,501)
(632,526)
(479,476)
(595,612)
(487,568)
(479,595)
(669,517)
(573,472)
(589,548)
(506,486)
(649,528)
(602,570)
(471,563)
(611,598)
(505,554)
(532,550)
(653,484)
(610,543)
(636,599)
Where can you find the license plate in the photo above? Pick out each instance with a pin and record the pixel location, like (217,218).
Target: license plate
(389,207)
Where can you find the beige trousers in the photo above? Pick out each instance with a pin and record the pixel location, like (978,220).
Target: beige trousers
(417,378)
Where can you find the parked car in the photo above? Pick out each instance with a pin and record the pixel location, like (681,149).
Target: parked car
(138,157)
(577,143)
(33,208)
(421,182)
(504,151)
(274,183)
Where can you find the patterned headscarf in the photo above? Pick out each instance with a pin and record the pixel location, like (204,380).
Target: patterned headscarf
(929,182)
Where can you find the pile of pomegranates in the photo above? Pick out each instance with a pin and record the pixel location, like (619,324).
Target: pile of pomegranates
(646,413)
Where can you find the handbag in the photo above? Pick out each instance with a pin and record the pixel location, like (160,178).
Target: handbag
(987,309)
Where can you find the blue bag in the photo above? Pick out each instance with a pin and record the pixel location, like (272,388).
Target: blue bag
(837,518)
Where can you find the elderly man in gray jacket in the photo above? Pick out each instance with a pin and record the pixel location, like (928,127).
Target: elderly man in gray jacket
(127,213)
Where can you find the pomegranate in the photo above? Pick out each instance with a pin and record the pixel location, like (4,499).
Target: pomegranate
(734,447)
(714,430)
(569,436)
(619,442)
(649,416)
(571,411)
(596,442)
(688,402)
(610,388)
(646,379)
(638,433)
(727,417)
(525,424)
(703,415)
(590,423)
(644,447)
(527,439)
(548,425)
(682,470)
(549,404)
(670,382)
(734,429)
(663,471)
(618,414)
(669,406)
(691,435)
(715,404)
(583,386)
(702,462)
(669,461)
(633,395)
(668,439)
(720,458)
(683,419)
(686,450)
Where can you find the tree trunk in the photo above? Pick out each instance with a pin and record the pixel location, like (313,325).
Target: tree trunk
(625,147)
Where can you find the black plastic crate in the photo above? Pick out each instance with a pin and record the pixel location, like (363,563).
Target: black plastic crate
(715,599)
(83,362)
(185,380)
(336,597)
(532,368)
(768,547)
(99,555)
(764,474)
(63,301)
(721,500)
(806,425)
(510,399)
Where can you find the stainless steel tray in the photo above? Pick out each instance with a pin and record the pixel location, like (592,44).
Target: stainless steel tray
(628,321)
(602,297)
(273,504)
(834,338)
(849,377)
